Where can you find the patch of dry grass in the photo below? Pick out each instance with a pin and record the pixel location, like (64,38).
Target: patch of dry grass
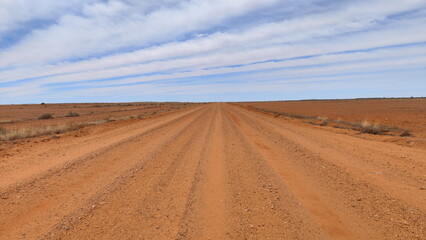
(405,133)
(72,114)
(373,128)
(35,132)
(14,134)
(323,121)
(2,130)
(45,116)
(6,121)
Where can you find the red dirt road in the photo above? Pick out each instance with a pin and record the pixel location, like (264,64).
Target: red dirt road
(213,171)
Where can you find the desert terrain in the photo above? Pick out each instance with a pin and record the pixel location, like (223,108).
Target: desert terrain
(393,117)
(255,170)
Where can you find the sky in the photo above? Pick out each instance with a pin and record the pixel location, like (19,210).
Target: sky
(210,50)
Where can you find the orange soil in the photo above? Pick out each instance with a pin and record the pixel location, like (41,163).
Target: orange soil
(213,171)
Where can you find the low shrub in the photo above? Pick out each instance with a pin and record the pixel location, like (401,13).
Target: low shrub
(373,128)
(405,133)
(323,121)
(45,116)
(72,114)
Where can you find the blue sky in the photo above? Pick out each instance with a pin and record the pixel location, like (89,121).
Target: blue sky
(210,50)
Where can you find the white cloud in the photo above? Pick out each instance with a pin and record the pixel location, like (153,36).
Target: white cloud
(115,25)
(14,13)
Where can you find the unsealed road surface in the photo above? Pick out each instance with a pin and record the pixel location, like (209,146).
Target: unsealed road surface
(215,171)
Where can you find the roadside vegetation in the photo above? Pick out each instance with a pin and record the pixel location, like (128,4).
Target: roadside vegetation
(29,132)
(14,134)
(10,133)
(362,127)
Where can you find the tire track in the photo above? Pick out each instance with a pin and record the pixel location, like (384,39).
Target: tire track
(368,209)
(262,207)
(326,216)
(204,216)
(156,196)
(214,192)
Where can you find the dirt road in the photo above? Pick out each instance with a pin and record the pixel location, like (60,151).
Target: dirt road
(214,171)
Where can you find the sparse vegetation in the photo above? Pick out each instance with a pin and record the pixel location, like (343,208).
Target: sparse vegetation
(373,128)
(109,119)
(364,127)
(2,130)
(45,116)
(405,133)
(72,114)
(323,121)
(15,134)
(35,131)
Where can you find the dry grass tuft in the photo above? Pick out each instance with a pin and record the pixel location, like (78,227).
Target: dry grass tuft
(45,116)
(405,133)
(2,130)
(323,121)
(72,114)
(373,128)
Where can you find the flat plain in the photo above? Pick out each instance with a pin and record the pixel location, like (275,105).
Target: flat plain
(255,170)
